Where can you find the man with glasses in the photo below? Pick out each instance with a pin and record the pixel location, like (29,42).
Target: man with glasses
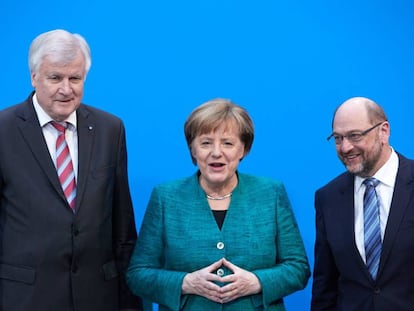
(364,248)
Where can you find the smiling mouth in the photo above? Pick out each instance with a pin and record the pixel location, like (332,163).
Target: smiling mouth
(352,156)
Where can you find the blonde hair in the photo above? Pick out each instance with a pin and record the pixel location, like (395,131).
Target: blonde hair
(210,115)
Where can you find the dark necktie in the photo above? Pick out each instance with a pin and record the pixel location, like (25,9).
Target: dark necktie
(372,229)
(64,165)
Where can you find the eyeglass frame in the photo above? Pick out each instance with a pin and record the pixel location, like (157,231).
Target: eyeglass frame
(359,134)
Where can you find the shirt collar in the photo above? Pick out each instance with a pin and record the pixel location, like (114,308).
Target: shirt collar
(44,118)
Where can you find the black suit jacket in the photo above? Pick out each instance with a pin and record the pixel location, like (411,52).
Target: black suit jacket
(341,279)
(50,258)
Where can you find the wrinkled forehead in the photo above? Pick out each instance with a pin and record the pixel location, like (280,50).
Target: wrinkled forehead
(350,117)
(64,58)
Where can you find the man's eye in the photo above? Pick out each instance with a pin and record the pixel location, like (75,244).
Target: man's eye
(75,79)
(354,136)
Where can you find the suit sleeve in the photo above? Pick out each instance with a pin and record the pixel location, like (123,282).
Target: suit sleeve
(325,274)
(124,229)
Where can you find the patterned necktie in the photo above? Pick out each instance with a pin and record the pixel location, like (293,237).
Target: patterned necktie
(64,165)
(372,229)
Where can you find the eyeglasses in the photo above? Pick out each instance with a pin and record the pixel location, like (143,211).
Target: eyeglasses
(353,137)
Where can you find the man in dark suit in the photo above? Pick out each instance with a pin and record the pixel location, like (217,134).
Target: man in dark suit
(63,246)
(365,261)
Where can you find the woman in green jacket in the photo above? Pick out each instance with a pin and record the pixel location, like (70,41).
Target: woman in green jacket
(219,239)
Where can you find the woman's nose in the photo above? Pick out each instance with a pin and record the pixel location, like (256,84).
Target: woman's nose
(216,149)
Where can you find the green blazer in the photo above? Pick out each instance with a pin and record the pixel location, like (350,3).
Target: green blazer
(179,235)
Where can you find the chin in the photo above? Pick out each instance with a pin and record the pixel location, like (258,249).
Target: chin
(354,169)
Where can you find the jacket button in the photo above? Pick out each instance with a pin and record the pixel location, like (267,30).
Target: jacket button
(220,245)
(220,272)
(75,230)
(377,290)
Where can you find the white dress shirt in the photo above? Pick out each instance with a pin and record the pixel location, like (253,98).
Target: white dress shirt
(51,134)
(386,175)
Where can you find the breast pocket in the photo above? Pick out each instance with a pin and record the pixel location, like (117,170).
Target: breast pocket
(21,274)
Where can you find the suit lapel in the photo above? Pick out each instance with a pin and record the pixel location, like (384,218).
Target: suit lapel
(86,134)
(31,131)
(401,198)
(345,213)
(347,203)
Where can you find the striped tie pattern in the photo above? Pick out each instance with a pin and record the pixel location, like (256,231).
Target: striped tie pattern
(372,229)
(64,165)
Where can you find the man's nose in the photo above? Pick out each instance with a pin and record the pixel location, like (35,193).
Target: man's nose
(64,86)
(345,145)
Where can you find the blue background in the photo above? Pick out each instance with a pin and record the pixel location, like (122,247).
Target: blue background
(289,63)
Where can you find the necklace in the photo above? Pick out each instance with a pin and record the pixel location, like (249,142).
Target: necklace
(210,197)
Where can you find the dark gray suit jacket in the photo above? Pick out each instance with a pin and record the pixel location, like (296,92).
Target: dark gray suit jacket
(341,279)
(50,258)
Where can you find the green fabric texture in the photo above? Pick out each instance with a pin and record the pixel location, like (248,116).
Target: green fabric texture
(179,235)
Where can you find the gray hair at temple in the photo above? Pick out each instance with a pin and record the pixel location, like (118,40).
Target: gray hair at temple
(59,46)
(209,116)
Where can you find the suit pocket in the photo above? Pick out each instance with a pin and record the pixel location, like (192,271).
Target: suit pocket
(110,270)
(19,274)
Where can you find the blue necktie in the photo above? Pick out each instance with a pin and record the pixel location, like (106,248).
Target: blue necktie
(372,229)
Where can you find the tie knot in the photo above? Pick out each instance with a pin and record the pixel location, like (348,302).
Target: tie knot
(371,182)
(61,127)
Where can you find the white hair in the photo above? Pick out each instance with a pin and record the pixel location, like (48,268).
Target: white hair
(60,46)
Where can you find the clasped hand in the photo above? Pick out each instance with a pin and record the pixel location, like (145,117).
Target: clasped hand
(238,284)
